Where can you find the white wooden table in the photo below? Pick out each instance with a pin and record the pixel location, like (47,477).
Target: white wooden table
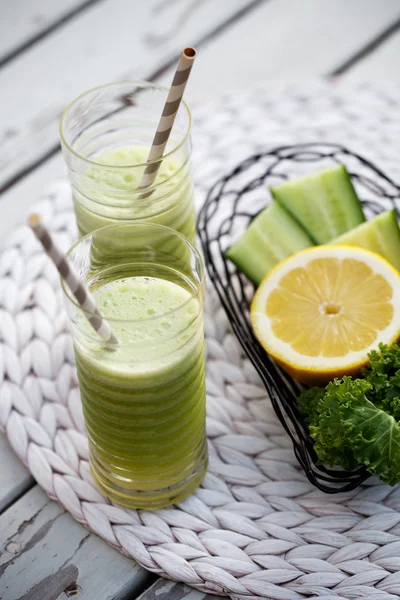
(50,51)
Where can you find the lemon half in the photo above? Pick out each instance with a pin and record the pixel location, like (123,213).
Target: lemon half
(320,312)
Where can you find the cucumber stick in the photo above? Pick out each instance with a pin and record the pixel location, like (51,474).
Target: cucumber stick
(380,235)
(272,236)
(324,203)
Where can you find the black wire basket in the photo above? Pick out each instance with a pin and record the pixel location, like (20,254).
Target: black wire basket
(231,204)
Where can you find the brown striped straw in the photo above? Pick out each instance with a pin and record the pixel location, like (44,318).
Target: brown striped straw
(68,274)
(167,118)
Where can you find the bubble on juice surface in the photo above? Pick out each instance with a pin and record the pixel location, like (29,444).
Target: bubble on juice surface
(123,287)
(191,309)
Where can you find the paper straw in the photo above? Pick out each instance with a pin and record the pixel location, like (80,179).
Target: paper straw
(68,274)
(167,118)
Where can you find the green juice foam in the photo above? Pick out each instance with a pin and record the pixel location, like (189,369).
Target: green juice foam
(109,194)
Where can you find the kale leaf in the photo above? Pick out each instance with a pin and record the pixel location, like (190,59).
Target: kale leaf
(356,421)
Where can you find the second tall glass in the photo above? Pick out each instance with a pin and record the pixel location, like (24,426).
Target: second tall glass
(106,135)
(144,399)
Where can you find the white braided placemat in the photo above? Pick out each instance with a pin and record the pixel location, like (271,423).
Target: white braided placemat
(257,527)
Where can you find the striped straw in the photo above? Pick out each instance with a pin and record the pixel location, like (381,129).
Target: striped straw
(68,274)
(167,118)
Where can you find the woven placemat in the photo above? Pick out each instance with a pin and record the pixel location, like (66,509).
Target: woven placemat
(256,528)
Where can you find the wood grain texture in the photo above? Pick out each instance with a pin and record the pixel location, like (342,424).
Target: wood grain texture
(169,590)
(17,200)
(287,39)
(22,20)
(113,40)
(46,555)
(382,63)
(14,477)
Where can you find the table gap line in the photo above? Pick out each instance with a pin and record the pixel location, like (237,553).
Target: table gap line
(213,33)
(24,490)
(366,49)
(57,24)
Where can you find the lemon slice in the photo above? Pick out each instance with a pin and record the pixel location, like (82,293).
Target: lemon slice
(320,312)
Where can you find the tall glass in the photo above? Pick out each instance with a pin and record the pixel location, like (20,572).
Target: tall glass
(144,398)
(106,134)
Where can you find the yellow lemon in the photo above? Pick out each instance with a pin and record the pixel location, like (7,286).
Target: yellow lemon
(319,312)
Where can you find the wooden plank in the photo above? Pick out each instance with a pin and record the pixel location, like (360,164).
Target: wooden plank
(169,590)
(287,39)
(45,554)
(383,63)
(17,201)
(22,21)
(113,40)
(14,477)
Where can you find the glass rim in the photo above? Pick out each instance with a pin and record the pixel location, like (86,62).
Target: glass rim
(193,295)
(143,83)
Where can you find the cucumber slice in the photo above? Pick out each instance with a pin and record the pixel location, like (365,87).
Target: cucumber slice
(324,203)
(272,236)
(380,235)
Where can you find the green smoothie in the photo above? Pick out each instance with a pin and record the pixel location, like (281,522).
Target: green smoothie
(144,402)
(107,192)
